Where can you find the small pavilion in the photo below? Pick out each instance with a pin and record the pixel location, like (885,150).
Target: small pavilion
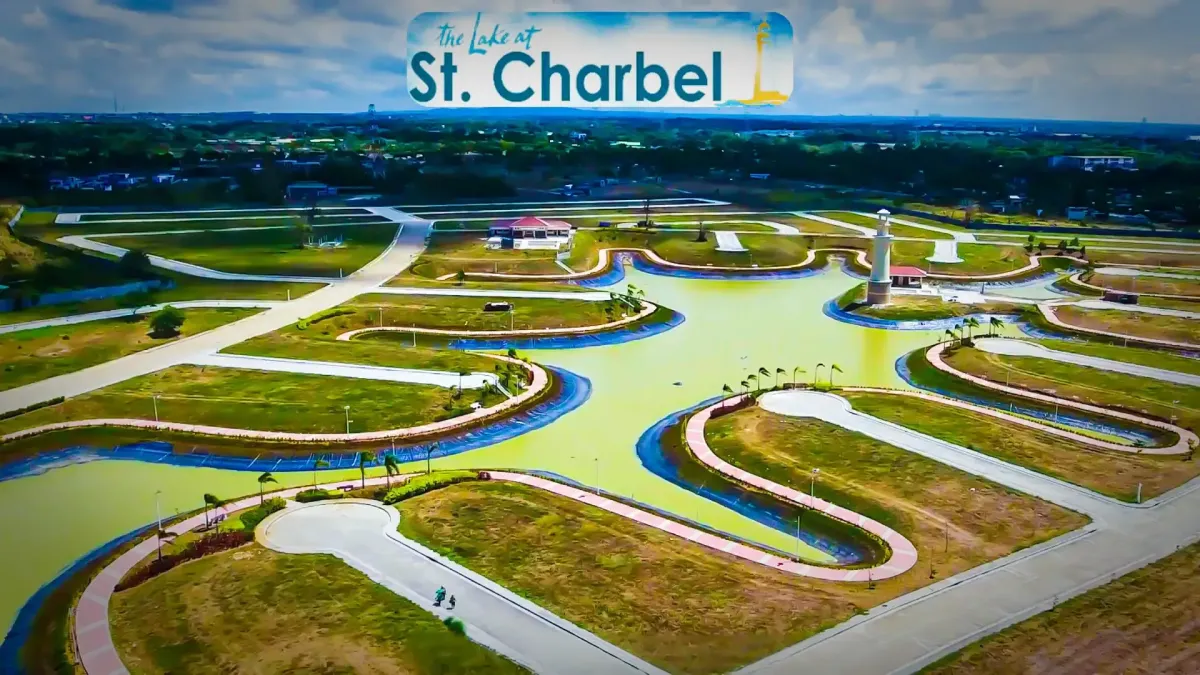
(904,276)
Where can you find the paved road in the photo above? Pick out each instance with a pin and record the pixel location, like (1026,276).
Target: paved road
(1128,272)
(148,309)
(1023,348)
(959,237)
(905,634)
(434,378)
(363,534)
(1139,309)
(864,231)
(409,242)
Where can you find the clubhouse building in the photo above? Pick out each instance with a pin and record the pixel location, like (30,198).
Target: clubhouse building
(530,232)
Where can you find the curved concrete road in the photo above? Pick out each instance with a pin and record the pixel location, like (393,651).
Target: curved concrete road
(1128,272)
(364,535)
(434,378)
(1138,309)
(1008,347)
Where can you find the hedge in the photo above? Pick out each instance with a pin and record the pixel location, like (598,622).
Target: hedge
(316,496)
(256,515)
(428,482)
(31,408)
(206,545)
(321,316)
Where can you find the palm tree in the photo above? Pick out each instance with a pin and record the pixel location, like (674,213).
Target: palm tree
(763,372)
(319,464)
(995,325)
(163,534)
(778,372)
(364,458)
(970,323)
(796,371)
(210,501)
(728,391)
(833,368)
(753,378)
(392,466)
(950,334)
(745,385)
(265,478)
(817,374)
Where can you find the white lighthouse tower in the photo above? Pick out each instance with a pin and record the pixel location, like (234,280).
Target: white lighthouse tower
(879,288)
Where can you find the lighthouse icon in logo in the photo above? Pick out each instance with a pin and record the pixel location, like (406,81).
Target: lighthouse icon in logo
(761,97)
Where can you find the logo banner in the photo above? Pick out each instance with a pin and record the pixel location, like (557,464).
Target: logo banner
(599,59)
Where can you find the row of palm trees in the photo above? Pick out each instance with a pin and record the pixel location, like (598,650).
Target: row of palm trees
(969,324)
(759,378)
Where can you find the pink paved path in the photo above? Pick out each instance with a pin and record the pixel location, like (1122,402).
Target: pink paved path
(1047,311)
(1186,437)
(93,635)
(529,332)
(540,382)
(904,554)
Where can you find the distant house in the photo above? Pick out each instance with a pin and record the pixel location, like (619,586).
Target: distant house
(309,190)
(906,277)
(1092,162)
(1078,212)
(165,179)
(529,233)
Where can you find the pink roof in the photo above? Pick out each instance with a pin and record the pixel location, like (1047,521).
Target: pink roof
(533,222)
(906,271)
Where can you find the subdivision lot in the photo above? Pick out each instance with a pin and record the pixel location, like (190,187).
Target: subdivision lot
(322,211)
(1147,284)
(269,251)
(1144,622)
(33,355)
(1138,324)
(254,610)
(1170,256)
(1136,355)
(450,253)
(921,307)
(1111,473)
(896,229)
(266,401)
(391,350)
(425,311)
(764,250)
(978,259)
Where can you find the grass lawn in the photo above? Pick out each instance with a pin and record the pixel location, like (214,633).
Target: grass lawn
(1115,474)
(1170,256)
(252,610)
(447,253)
(407,278)
(1087,385)
(427,311)
(239,213)
(978,259)
(926,308)
(765,250)
(1147,284)
(248,399)
(1137,324)
(624,581)
(268,251)
(873,223)
(33,355)
(930,503)
(1136,355)
(1144,622)
(1171,303)
(20,259)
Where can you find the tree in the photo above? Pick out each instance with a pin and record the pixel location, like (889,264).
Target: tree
(970,323)
(317,465)
(391,466)
(832,369)
(304,230)
(796,371)
(460,277)
(995,325)
(461,375)
(135,301)
(727,390)
(763,372)
(778,372)
(263,479)
(135,264)
(950,334)
(753,378)
(745,385)
(702,236)
(365,458)
(213,502)
(166,322)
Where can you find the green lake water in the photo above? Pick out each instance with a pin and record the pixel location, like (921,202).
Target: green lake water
(732,329)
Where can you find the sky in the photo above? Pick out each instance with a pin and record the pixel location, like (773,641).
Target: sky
(1061,59)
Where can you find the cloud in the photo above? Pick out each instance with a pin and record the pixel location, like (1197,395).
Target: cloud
(1001,16)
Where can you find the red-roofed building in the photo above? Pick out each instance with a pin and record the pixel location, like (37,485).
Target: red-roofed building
(529,232)
(906,277)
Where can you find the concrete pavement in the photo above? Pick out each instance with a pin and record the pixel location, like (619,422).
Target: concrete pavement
(1138,309)
(434,378)
(363,534)
(408,244)
(1022,348)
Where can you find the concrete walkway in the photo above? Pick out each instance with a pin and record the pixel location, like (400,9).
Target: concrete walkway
(904,554)
(450,291)
(1023,348)
(364,535)
(728,242)
(860,229)
(433,378)
(1182,446)
(945,252)
(408,244)
(148,309)
(959,236)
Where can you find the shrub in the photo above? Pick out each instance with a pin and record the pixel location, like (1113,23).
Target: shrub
(31,408)
(206,545)
(419,485)
(316,496)
(256,515)
(322,316)
(166,322)
(135,265)
(455,625)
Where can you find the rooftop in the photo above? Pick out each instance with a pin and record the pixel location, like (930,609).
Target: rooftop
(906,271)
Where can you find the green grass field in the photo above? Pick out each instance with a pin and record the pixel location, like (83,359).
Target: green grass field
(467,313)
(268,251)
(1115,473)
(1144,622)
(33,355)
(252,610)
(1136,355)
(1147,284)
(450,252)
(873,223)
(1170,256)
(927,308)
(247,399)
(1136,324)
(322,212)
(930,503)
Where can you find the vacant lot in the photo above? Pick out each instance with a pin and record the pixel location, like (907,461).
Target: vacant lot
(1115,473)
(449,253)
(33,355)
(1143,623)
(926,308)
(247,399)
(1147,284)
(252,610)
(957,521)
(895,229)
(1137,355)
(1169,256)
(269,251)
(467,313)
(1134,324)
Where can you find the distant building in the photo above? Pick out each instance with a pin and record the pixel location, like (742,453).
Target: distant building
(760,176)
(1078,212)
(1092,162)
(309,190)
(906,277)
(529,233)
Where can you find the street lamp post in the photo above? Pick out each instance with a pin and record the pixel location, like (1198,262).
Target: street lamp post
(158,519)
(155,400)
(347,409)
